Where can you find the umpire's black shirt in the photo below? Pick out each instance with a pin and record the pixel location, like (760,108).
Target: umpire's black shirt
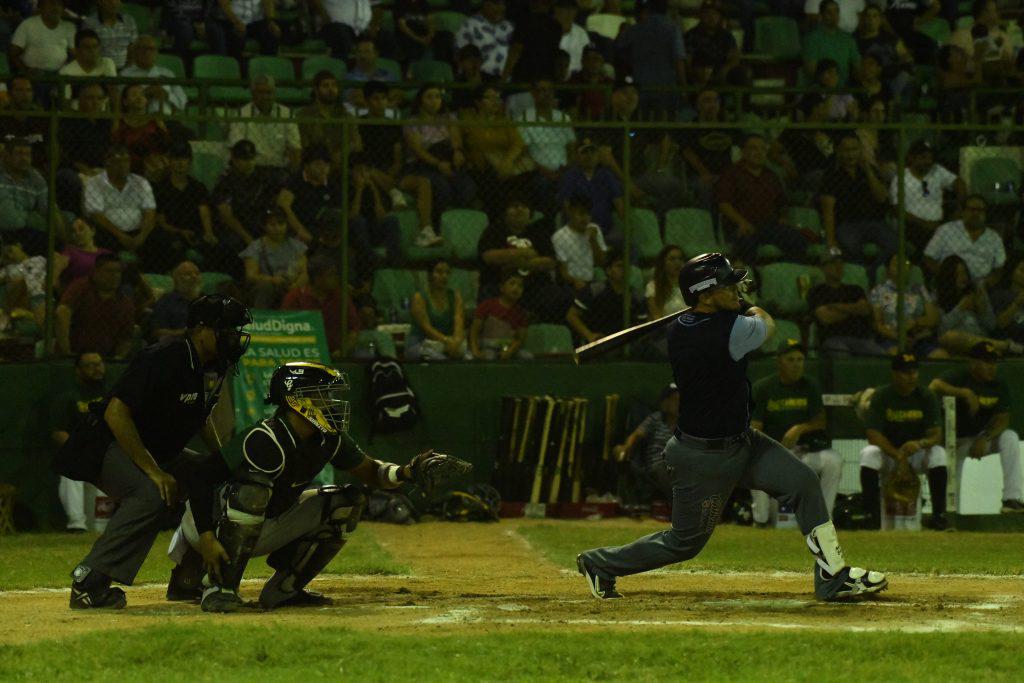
(708,353)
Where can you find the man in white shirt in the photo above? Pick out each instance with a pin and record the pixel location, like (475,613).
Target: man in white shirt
(491,32)
(849,12)
(924,183)
(119,203)
(574,37)
(980,247)
(43,42)
(579,245)
(89,63)
(278,145)
(548,146)
(166,99)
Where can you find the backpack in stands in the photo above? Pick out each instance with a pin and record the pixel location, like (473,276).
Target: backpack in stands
(394,404)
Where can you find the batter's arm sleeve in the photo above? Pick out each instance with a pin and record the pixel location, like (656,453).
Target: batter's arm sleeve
(748,334)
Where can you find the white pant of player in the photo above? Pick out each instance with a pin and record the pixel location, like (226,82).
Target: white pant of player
(923,460)
(72,498)
(1007,445)
(827,464)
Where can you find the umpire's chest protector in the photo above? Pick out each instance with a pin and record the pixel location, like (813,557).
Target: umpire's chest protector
(714,393)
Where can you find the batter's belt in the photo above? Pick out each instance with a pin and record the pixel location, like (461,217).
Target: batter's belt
(713,444)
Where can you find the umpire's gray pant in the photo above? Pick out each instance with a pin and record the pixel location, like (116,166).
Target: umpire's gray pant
(702,480)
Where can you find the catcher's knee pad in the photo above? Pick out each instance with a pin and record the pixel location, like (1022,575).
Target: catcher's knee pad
(342,507)
(245,507)
(246,500)
(871,457)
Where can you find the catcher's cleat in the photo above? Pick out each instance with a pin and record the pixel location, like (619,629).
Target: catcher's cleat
(602,589)
(1011,506)
(103,598)
(305,598)
(219,599)
(852,583)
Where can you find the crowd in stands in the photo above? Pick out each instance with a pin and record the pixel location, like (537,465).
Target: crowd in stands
(475,154)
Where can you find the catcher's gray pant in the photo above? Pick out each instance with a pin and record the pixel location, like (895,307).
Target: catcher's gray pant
(873,458)
(827,464)
(1007,445)
(702,479)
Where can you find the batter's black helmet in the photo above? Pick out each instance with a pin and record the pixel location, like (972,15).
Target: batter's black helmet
(704,272)
(227,317)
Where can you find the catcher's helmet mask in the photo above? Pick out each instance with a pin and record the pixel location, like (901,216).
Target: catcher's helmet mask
(705,272)
(315,391)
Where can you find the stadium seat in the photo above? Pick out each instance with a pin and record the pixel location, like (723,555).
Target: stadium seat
(172,63)
(467,283)
(854,274)
(777,37)
(784,329)
(391,66)
(283,71)
(997,179)
(311,66)
(159,283)
(547,340)
(218,67)
(461,228)
(392,289)
(207,168)
(146,18)
(937,29)
(781,287)
(964,22)
(692,230)
(805,218)
(606,25)
(431,71)
(646,233)
(447,21)
(916,274)
(409,226)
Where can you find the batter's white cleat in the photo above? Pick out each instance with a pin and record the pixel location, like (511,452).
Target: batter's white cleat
(852,583)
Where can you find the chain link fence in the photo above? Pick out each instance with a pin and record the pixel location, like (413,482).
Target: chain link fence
(487,222)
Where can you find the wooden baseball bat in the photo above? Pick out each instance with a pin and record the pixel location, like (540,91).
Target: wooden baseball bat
(569,412)
(515,427)
(617,340)
(538,475)
(577,480)
(531,408)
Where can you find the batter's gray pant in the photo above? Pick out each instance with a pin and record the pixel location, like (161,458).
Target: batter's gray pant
(827,464)
(129,536)
(702,481)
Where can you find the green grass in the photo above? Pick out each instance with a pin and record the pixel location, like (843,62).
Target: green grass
(736,548)
(46,560)
(225,652)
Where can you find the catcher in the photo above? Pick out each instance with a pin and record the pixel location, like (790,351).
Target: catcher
(260,505)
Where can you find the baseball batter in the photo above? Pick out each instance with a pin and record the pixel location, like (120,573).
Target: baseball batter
(714,448)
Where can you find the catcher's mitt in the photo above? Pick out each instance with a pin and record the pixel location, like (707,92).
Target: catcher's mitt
(430,470)
(903,485)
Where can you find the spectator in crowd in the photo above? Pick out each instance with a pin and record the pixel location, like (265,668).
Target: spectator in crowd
(24,278)
(751,199)
(80,251)
(592,103)
(68,410)
(955,83)
(548,146)
(516,242)
(842,312)
(979,246)
(278,145)
(904,432)
(787,407)
(575,38)
(23,199)
(983,404)
(662,291)
(714,55)
(82,142)
(43,42)
(240,197)
(499,326)
(579,245)
(170,312)
(435,152)
(16,120)
(842,106)
(874,37)
(143,133)
(967,315)
(94,315)
(597,183)
(533,45)
(986,43)
(365,68)
(707,150)
(596,311)
(326,105)
(924,183)
(853,202)
(188,20)
(491,32)
(345,20)
(469,74)
(906,17)
(648,466)
(183,216)
(370,225)
(654,48)
(89,63)
(414,29)
(275,262)
(379,152)
(805,153)
(323,293)
(869,79)
(163,99)
(496,157)
(849,13)
(827,41)
(243,20)
(878,146)
(921,314)
(309,192)
(1008,301)
(116,31)
(438,325)
(120,203)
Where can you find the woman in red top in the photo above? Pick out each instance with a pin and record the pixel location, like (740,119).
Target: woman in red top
(144,134)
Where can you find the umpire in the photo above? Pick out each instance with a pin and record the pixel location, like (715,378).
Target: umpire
(131,446)
(713,449)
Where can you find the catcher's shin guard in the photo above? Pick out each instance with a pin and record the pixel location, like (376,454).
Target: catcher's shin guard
(298,562)
(245,507)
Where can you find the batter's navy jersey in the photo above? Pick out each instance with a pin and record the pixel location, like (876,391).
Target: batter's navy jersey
(708,353)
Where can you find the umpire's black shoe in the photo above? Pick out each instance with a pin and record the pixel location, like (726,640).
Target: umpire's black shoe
(603,589)
(103,598)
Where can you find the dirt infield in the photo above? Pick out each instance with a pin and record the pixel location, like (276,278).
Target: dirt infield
(484,578)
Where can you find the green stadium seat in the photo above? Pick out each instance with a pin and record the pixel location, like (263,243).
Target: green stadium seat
(219,67)
(781,287)
(854,274)
(208,167)
(467,283)
(965,22)
(777,37)
(997,179)
(937,29)
(146,18)
(784,329)
(391,289)
(692,230)
(805,218)
(461,228)
(548,340)
(646,233)
(409,226)
(159,283)
(311,66)
(172,63)
(283,71)
(431,71)
(447,21)
(391,66)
